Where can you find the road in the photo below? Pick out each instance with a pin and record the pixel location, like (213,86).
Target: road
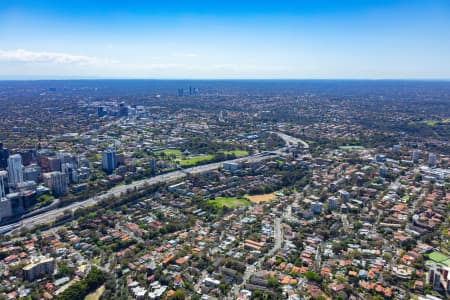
(119,190)
(344,220)
(278,235)
(290,140)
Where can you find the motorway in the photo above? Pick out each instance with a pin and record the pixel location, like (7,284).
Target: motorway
(119,190)
(291,141)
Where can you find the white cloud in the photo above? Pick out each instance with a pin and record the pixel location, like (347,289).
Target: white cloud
(184,55)
(22,55)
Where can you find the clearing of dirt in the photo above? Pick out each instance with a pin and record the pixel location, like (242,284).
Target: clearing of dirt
(261,198)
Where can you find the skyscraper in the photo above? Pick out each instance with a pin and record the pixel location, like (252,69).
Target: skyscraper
(3,183)
(431,160)
(109,160)
(57,182)
(123,110)
(416,156)
(15,169)
(4,154)
(101,111)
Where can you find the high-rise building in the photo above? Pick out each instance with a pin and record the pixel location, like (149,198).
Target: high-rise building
(196,91)
(3,183)
(431,160)
(57,182)
(396,148)
(39,268)
(31,173)
(4,154)
(15,169)
(180,92)
(101,112)
(316,207)
(383,172)
(109,160)
(28,156)
(332,203)
(65,157)
(416,156)
(5,208)
(54,164)
(123,110)
(344,195)
(153,166)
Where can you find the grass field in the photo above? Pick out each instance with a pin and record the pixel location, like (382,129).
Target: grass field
(230,202)
(170,152)
(96,295)
(261,198)
(431,122)
(238,153)
(351,147)
(191,161)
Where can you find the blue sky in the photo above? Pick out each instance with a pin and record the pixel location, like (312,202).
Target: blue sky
(225,39)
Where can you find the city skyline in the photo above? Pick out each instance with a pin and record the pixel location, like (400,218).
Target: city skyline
(200,40)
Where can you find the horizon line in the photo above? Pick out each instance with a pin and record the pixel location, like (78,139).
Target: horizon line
(61,78)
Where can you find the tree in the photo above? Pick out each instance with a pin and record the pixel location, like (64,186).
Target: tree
(178,295)
(273,282)
(313,276)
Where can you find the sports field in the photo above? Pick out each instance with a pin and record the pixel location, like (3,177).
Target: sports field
(190,161)
(261,198)
(230,202)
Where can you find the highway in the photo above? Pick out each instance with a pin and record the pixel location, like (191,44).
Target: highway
(290,140)
(52,215)
(118,190)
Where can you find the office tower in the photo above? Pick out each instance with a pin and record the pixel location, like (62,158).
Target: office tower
(109,160)
(332,203)
(153,166)
(344,195)
(180,92)
(383,172)
(4,154)
(15,171)
(101,112)
(416,156)
(65,157)
(190,90)
(5,208)
(54,164)
(316,207)
(431,160)
(120,159)
(57,182)
(3,183)
(28,156)
(70,171)
(396,148)
(123,110)
(196,91)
